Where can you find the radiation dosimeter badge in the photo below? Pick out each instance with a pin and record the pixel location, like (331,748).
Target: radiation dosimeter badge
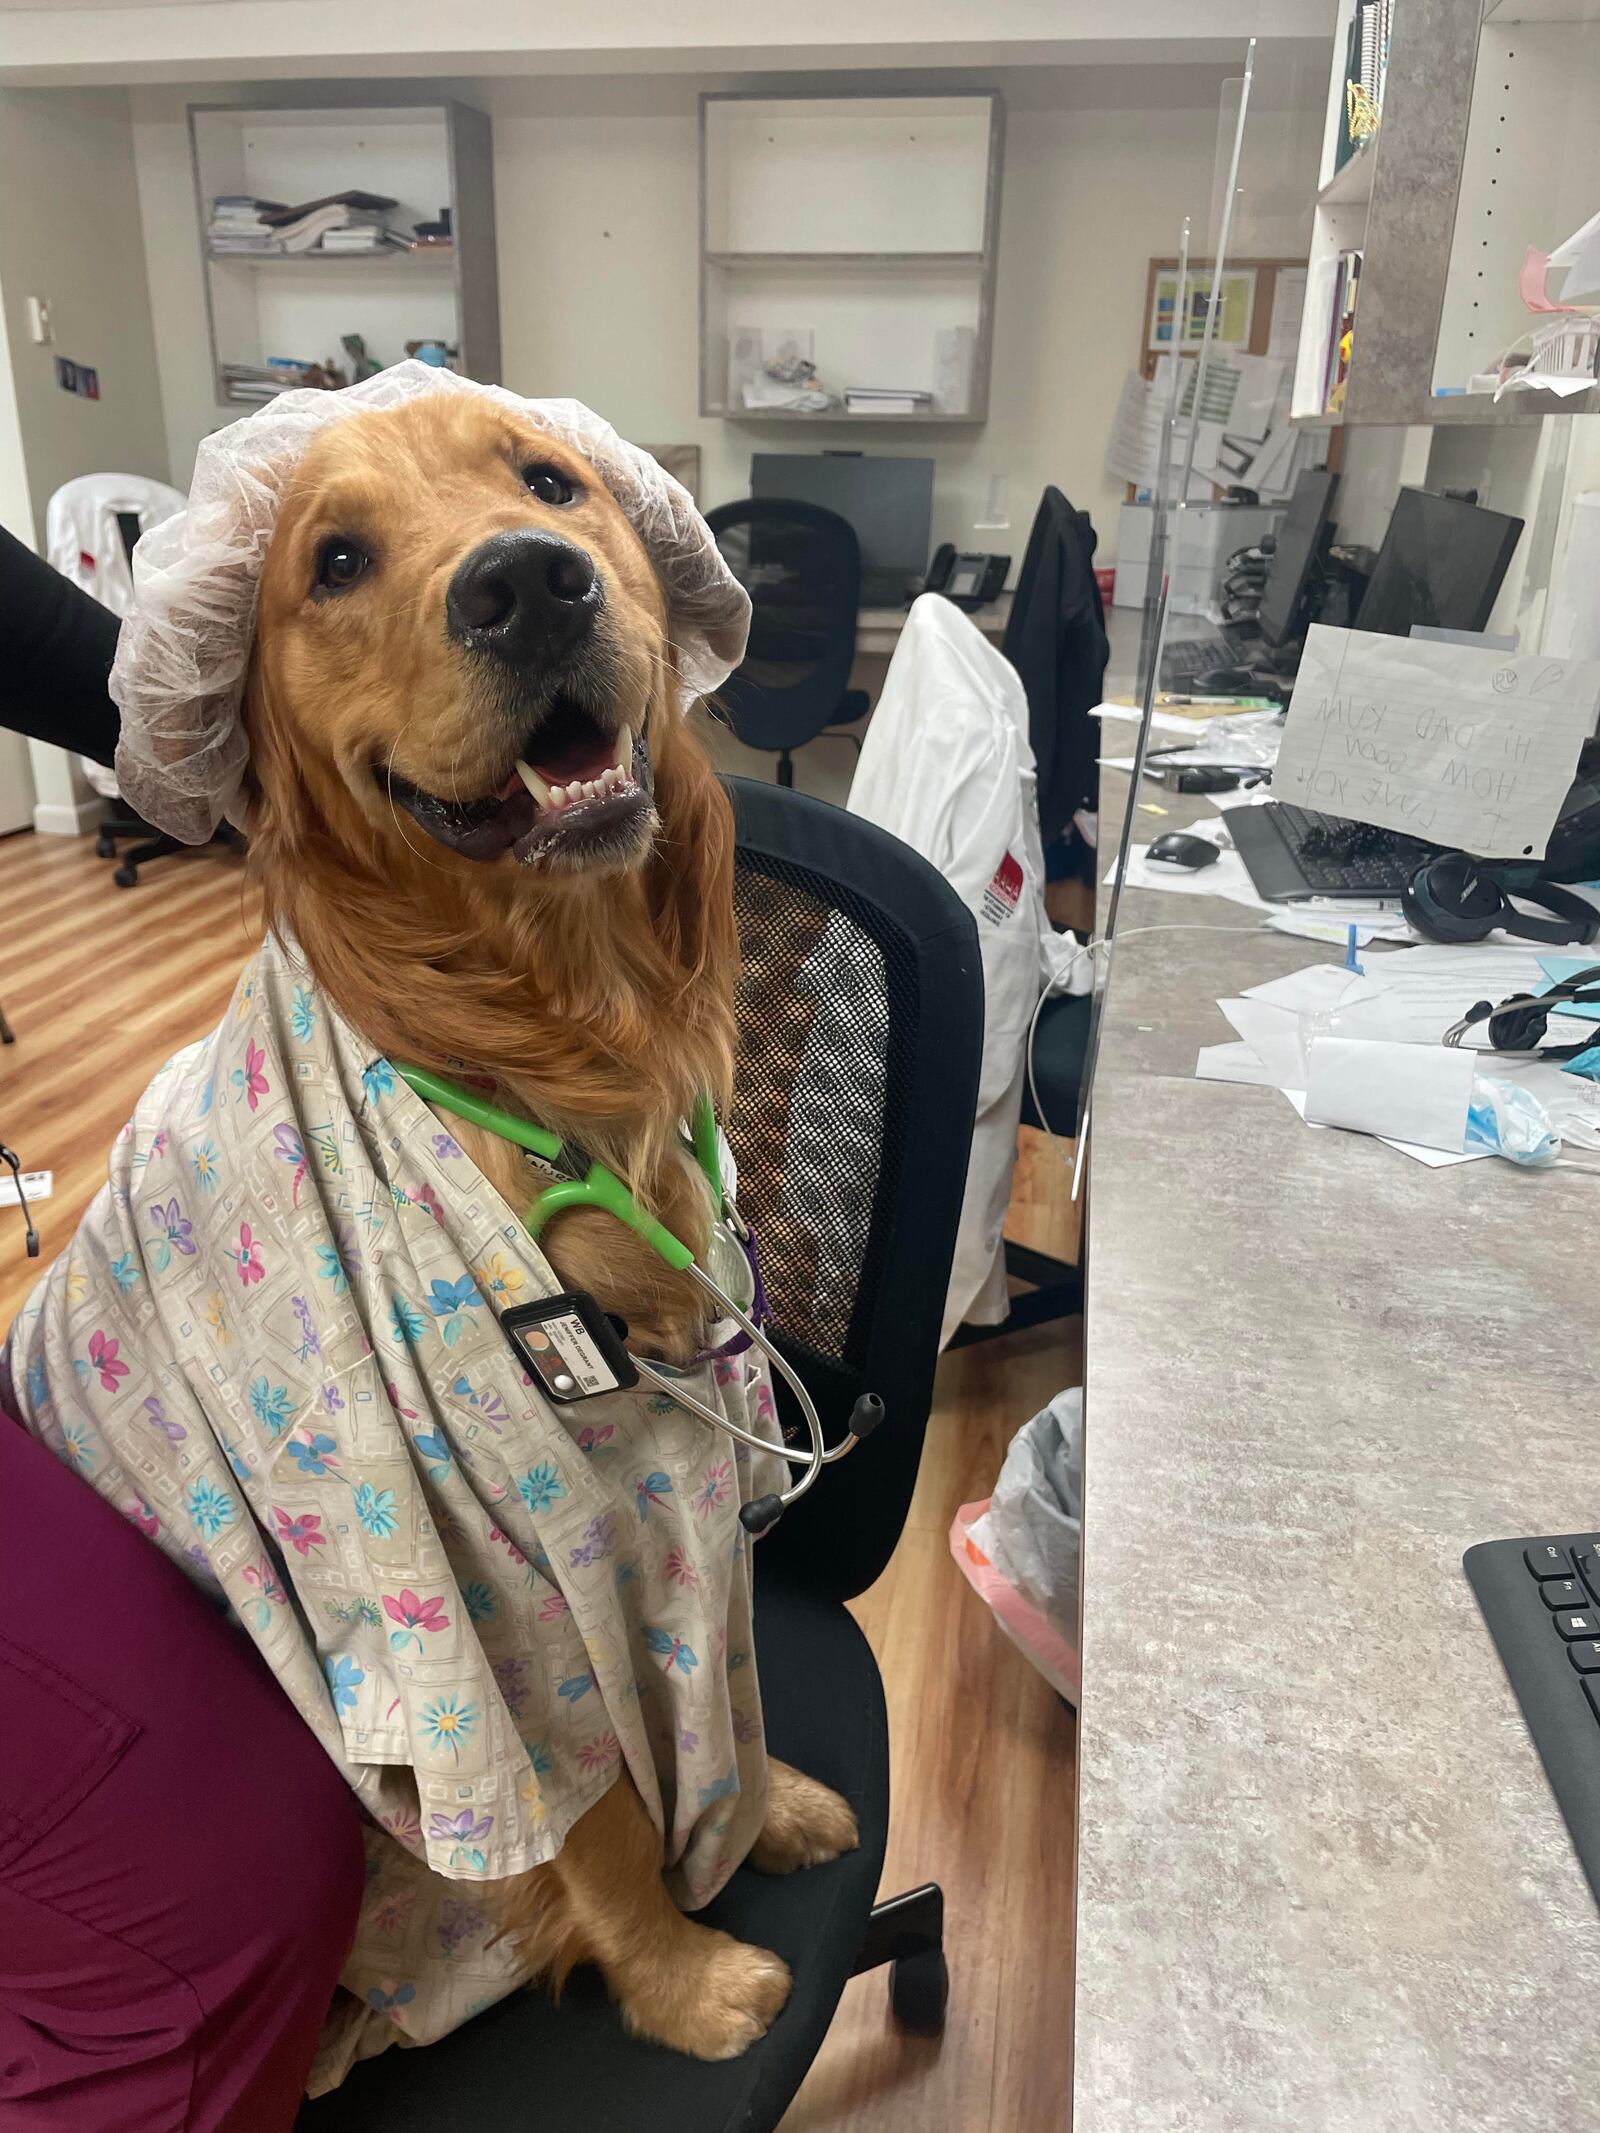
(569,1347)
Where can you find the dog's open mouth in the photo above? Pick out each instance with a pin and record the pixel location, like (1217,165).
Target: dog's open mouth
(577,794)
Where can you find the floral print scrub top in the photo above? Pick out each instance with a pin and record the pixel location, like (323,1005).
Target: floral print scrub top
(274,1346)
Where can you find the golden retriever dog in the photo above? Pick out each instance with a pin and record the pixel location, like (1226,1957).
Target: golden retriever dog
(476,807)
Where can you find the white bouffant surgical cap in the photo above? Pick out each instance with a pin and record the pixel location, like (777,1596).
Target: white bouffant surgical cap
(184,650)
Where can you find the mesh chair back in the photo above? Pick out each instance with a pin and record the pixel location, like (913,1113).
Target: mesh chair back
(801,566)
(861,1026)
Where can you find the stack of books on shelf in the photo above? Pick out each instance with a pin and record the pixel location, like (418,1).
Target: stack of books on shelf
(239,224)
(886,400)
(344,222)
(252,383)
(340,222)
(1341,332)
(1366,70)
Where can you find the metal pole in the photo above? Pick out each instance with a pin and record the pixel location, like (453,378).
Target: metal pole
(1142,744)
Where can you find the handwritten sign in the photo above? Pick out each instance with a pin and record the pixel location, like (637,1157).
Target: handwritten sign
(1466,747)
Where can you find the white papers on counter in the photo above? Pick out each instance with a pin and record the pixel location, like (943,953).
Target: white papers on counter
(1238,739)
(1416,1094)
(1470,749)
(1387,1072)
(1160,721)
(1227,878)
(1232,1062)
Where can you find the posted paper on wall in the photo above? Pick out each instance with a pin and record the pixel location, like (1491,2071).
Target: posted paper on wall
(1467,748)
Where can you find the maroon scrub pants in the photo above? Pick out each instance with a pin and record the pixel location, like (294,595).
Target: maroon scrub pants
(180,1862)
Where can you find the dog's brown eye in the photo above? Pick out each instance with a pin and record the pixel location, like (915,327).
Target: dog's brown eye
(341,562)
(547,486)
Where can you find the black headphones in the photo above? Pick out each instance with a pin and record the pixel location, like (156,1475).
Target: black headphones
(1519,1024)
(1457,898)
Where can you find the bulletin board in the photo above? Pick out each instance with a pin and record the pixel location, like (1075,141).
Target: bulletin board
(1249,297)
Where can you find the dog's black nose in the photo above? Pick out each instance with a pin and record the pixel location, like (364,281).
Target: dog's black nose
(523,596)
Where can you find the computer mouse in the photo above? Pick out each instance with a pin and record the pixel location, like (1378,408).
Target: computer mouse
(1178,849)
(1227,681)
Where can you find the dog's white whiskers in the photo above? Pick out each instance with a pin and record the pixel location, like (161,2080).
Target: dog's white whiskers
(400,825)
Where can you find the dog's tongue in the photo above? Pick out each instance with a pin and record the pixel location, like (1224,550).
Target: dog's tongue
(574,763)
(566,766)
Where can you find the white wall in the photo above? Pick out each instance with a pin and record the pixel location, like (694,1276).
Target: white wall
(70,232)
(597,214)
(260,39)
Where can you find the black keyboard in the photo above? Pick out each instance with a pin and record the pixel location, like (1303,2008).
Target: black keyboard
(1182,660)
(1294,852)
(1539,1598)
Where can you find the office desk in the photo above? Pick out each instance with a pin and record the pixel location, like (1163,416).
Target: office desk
(1322,1882)
(878,628)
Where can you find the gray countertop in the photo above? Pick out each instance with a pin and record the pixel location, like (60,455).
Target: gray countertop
(1323,1885)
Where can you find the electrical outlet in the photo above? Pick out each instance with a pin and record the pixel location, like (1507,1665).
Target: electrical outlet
(39,326)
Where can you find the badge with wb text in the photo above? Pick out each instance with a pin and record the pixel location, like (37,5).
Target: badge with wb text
(569,1347)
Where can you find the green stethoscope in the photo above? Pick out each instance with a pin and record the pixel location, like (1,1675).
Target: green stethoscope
(600,1187)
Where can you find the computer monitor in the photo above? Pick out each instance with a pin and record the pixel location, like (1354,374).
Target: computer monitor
(1442,562)
(888,501)
(1281,618)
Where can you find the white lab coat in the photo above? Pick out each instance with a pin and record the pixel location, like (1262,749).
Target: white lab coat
(84,542)
(946,766)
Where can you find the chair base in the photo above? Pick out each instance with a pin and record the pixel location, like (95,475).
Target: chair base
(154,844)
(1057,1292)
(907,1933)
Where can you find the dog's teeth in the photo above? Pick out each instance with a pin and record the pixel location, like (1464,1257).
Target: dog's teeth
(535,784)
(558,796)
(623,759)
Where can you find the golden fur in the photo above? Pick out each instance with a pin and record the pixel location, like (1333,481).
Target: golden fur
(599,1000)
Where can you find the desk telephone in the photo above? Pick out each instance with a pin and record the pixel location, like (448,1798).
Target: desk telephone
(971,581)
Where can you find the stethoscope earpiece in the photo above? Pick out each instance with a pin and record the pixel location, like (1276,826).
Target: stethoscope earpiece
(865,1416)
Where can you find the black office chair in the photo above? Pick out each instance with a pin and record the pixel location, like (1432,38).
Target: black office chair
(861,1015)
(801,566)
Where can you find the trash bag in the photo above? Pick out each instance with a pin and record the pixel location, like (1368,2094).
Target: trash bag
(1021,1550)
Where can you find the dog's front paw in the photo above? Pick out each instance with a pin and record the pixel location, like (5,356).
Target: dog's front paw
(712,1999)
(806,1825)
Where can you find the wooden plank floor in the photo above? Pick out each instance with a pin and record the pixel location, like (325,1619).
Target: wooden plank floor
(102,984)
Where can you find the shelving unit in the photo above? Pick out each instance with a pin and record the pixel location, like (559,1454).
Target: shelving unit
(789,188)
(1443,213)
(1339,224)
(298,305)
(272,262)
(1351,185)
(1535,85)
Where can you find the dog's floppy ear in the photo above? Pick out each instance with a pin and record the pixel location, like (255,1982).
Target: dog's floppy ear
(282,809)
(692,875)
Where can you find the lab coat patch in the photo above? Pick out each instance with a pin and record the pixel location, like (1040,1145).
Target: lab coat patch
(1001,897)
